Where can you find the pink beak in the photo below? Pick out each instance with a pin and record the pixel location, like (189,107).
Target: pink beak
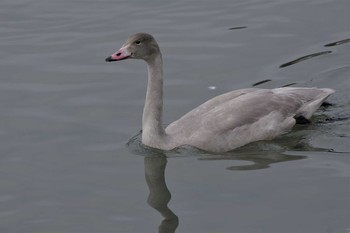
(121,54)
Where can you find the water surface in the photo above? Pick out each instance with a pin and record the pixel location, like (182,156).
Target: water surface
(66,117)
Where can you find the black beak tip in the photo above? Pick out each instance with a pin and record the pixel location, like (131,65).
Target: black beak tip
(109,59)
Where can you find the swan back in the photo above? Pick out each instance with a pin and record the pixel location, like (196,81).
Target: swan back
(239,117)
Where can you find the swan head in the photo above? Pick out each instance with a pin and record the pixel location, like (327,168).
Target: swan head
(139,46)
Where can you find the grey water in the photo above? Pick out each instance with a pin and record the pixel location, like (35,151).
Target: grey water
(69,158)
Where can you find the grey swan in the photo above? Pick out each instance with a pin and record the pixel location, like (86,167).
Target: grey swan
(224,122)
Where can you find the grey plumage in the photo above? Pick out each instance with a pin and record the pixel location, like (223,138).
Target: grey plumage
(224,122)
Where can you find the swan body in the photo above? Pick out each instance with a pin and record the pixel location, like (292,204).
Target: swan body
(224,122)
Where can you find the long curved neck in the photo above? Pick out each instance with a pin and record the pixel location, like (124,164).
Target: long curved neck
(153,132)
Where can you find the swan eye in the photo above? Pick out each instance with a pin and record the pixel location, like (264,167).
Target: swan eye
(137,42)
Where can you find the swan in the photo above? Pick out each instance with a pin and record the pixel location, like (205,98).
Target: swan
(225,122)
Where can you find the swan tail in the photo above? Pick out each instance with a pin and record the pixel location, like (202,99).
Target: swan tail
(309,108)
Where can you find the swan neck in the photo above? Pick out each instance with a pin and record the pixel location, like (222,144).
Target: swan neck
(153,133)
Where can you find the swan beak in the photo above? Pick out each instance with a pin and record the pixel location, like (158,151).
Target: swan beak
(121,54)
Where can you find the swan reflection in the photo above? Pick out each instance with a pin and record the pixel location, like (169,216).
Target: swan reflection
(258,160)
(261,155)
(159,194)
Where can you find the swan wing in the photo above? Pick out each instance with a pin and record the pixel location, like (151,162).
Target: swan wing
(239,117)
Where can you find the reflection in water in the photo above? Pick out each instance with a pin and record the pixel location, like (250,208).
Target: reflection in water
(261,154)
(159,195)
(259,160)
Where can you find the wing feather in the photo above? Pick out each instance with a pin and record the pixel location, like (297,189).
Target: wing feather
(256,113)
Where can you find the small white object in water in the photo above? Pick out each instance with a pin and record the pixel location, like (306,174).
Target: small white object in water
(212,87)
